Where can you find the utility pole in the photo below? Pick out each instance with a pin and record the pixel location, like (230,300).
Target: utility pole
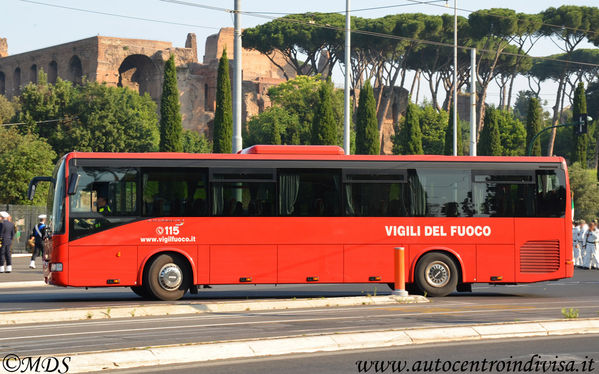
(473,133)
(237,87)
(455,77)
(346,109)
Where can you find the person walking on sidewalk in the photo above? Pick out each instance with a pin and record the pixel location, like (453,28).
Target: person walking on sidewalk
(7,234)
(39,235)
(591,260)
(576,256)
(582,236)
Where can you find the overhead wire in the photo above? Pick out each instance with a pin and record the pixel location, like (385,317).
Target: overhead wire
(355,10)
(40,122)
(118,15)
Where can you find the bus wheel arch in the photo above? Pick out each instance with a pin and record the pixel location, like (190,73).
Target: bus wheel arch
(437,273)
(167,275)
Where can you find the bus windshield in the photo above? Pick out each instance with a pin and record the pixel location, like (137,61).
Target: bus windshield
(56,199)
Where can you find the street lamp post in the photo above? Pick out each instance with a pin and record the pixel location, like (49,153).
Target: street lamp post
(346,106)
(455,77)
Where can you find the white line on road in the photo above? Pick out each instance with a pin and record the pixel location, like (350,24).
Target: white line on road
(158,328)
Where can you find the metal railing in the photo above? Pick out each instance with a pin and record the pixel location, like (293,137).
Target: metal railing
(25,217)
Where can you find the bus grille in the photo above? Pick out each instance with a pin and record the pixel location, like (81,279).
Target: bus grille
(539,256)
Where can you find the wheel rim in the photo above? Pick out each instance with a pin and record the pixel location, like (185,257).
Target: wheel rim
(437,274)
(170,277)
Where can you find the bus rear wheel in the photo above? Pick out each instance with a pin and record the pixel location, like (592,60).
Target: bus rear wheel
(436,274)
(168,278)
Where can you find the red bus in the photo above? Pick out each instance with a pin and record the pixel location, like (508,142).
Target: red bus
(166,223)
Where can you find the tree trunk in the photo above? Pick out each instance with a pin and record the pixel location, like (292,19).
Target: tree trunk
(509,95)
(481,108)
(416,76)
(418,88)
(555,120)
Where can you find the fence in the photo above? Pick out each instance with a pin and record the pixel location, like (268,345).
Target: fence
(24,217)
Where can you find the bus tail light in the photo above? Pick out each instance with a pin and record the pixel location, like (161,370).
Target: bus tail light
(56,266)
(376,278)
(312,279)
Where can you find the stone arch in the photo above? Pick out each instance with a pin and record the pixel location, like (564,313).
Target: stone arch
(2,83)
(52,72)
(207,106)
(17,81)
(75,70)
(33,73)
(140,73)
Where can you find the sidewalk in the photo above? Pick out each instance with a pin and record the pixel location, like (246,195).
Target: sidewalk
(20,270)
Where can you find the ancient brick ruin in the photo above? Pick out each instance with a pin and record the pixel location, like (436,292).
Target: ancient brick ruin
(139,64)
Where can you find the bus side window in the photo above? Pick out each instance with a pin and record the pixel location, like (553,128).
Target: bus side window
(310,192)
(174,193)
(550,193)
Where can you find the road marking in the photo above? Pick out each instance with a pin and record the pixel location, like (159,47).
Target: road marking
(300,320)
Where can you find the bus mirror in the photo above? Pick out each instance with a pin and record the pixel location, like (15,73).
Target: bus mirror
(73,183)
(31,192)
(33,184)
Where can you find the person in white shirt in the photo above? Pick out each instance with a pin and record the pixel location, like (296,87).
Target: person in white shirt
(591,258)
(576,257)
(582,236)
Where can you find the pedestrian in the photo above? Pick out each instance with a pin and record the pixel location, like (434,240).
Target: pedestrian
(591,258)
(39,234)
(8,232)
(582,232)
(576,257)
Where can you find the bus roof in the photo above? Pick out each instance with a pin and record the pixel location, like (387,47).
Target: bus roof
(331,153)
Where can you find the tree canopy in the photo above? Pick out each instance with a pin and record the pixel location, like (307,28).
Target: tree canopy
(91,117)
(223,115)
(367,132)
(170,111)
(23,157)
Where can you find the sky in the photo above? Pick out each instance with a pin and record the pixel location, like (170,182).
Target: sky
(33,24)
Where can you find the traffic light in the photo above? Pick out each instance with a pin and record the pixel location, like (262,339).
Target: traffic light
(582,125)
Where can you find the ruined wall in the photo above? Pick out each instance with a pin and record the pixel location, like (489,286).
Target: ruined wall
(397,109)
(139,65)
(70,61)
(3,47)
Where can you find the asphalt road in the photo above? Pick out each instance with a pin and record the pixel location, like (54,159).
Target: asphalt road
(485,305)
(575,352)
(584,286)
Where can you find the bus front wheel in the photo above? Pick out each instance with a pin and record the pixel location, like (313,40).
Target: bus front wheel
(436,274)
(167,278)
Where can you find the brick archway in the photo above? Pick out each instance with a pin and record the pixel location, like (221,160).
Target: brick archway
(75,70)
(52,72)
(140,73)
(2,83)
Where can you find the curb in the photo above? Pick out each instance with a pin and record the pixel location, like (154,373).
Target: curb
(190,353)
(74,314)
